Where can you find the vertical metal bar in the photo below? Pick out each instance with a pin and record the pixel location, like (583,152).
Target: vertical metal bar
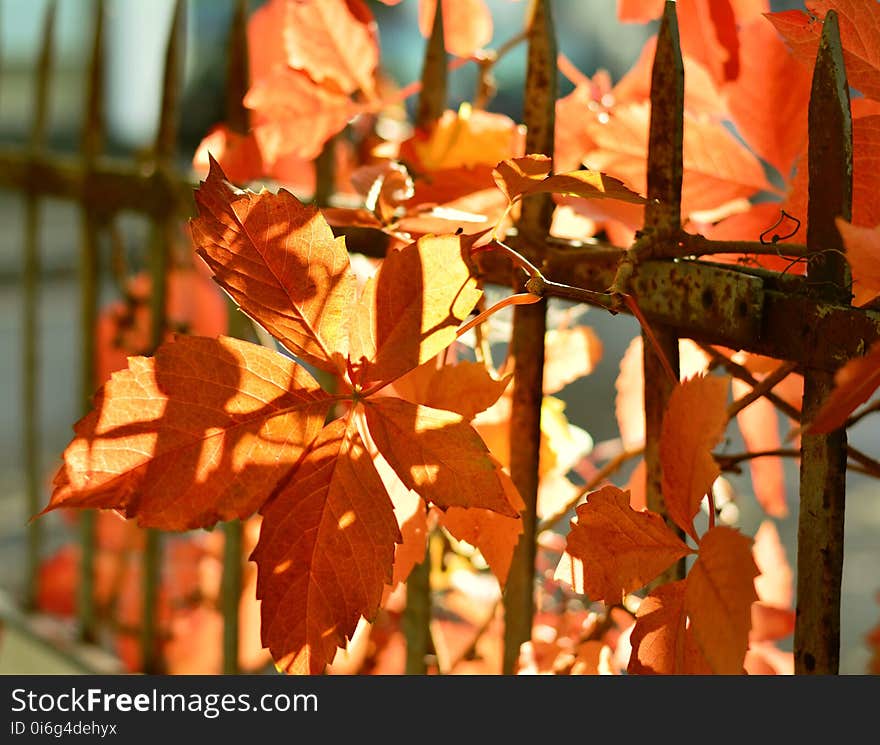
(31,271)
(237,117)
(238,71)
(432,98)
(230,594)
(416,622)
(92,145)
(823,457)
(160,264)
(663,212)
(529,329)
(325,173)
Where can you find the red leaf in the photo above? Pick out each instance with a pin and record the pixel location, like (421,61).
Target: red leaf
(859,34)
(866,156)
(863,254)
(201,432)
(694,423)
(717,168)
(333,40)
(280,262)
(437,454)
(719,596)
(662,643)
(768,101)
(853,385)
(758,423)
(621,549)
(325,552)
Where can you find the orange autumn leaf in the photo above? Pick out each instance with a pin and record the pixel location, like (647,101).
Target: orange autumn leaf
(216,429)
(694,422)
(325,552)
(466,388)
(621,549)
(287,250)
(411,309)
(412,519)
(717,167)
(866,155)
(863,254)
(777,133)
(467,24)
(775,583)
(853,385)
(701,94)
(859,35)
(437,454)
(719,596)
(569,354)
(708,33)
(520,176)
(629,403)
(238,155)
(293,115)
(240,159)
(333,40)
(764,658)
(466,138)
(758,424)
(495,535)
(201,432)
(639,11)
(662,642)
(770,622)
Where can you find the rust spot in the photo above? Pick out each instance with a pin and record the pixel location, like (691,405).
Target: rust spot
(708,298)
(809,662)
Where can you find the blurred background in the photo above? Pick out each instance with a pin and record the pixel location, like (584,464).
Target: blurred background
(589,35)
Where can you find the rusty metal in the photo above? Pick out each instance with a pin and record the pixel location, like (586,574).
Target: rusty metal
(238,120)
(31,367)
(527,340)
(663,215)
(161,242)
(823,457)
(416,620)
(92,144)
(432,97)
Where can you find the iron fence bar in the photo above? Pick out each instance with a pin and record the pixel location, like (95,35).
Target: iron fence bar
(162,239)
(416,620)
(238,119)
(527,338)
(92,144)
(823,457)
(31,367)
(663,215)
